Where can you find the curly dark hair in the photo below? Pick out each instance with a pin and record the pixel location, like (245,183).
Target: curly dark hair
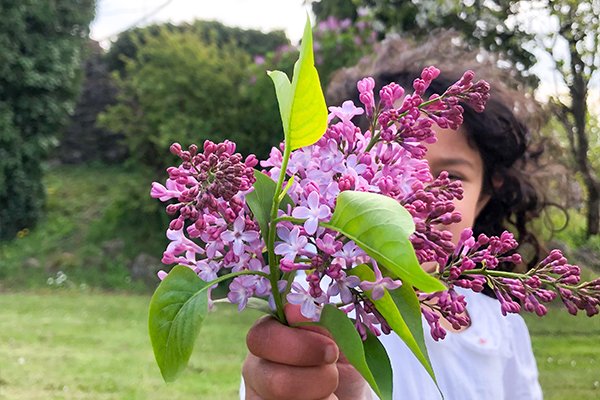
(500,135)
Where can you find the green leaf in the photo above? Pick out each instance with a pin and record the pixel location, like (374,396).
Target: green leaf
(301,102)
(381,227)
(308,117)
(260,201)
(348,340)
(259,304)
(402,311)
(177,310)
(379,364)
(283,91)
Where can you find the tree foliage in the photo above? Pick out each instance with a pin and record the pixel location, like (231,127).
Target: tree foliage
(253,42)
(180,87)
(578,30)
(341,43)
(486,23)
(40,54)
(83,140)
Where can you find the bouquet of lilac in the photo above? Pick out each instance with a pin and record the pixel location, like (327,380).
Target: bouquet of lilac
(357,212)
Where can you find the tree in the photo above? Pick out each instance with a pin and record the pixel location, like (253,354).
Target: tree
(340,9)
(503,27)
(83,140)
(40,57)
(485,23)
(578,24)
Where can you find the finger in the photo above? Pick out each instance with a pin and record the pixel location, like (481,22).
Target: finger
(282,344)
(294,316)
(350,383)
(330,397)
(250,393)
(272,381)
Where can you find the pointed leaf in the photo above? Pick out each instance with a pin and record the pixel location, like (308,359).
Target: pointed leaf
(308,115)
(283,91)
(348,340)
(402,311)
(381,227)
(177,310)
(379,364)
(260,201)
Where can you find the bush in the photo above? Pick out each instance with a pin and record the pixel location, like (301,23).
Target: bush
(179,88)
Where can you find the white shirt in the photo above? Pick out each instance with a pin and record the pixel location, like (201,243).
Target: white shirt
(490,360)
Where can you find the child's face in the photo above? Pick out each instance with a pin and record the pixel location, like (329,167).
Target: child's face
(453,153)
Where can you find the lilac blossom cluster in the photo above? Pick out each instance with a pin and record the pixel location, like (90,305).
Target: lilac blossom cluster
(475,263)
(362,31)
(213,230)
(386,159)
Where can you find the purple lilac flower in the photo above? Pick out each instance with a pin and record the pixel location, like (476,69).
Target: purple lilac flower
(239,236)
(292,242)
(380,284)
(346,112)
(342,286)
(312,213)
(241,289)
(308,307)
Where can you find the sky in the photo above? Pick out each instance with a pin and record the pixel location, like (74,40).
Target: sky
(114,16)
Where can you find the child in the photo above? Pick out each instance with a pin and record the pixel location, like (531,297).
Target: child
(491,358)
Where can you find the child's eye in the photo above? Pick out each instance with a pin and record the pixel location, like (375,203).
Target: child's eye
(455,177)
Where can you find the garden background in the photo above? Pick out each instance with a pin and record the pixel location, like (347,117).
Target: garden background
(84,130)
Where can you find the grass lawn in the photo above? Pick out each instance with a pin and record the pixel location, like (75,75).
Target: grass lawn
(69,345)
(567,350)
(79,345)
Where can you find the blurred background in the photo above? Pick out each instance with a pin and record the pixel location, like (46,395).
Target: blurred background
(92,93)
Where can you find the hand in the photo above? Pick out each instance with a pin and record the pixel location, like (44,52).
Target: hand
(297,363)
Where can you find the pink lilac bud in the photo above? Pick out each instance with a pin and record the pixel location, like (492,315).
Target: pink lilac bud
(365,87)
(176,149)
(430,73)
(436,330)
(389,94)
(161,274)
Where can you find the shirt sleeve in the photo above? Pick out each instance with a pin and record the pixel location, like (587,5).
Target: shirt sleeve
(520,372)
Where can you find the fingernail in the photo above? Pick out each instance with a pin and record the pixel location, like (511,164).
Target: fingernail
(331,354)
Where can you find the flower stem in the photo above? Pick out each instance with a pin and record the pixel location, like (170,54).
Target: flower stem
(375,137)
(297,221)
(491,272)
(238,273)
(273,267)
